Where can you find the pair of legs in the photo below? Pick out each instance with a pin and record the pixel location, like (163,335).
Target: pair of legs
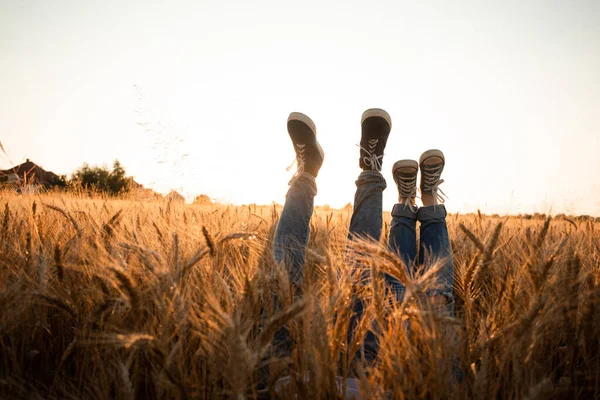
(291,236)
(434,245)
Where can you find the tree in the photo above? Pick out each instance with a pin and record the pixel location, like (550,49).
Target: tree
(60,181)
(101,179)
(117,181)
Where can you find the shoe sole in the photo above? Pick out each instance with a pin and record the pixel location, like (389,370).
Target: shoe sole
(412,164)
(432,153)
(296,116)
(305,119)
(376,112)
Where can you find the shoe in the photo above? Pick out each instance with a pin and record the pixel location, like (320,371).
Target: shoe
(432,164)
(405,175)
(376,125)
(352,390)
(309,154)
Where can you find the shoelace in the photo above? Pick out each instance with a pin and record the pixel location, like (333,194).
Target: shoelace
(299,161)
(432,181)
(372,160)
(407,187)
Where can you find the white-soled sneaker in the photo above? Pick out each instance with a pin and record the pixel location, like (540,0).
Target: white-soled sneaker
(376,125)
(309,154)
(432,164)
(405,175)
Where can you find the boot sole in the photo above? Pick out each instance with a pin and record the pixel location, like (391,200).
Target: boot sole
(376,112)
(430,154)
(412,164)
(296,116)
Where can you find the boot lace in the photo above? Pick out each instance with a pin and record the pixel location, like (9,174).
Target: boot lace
(372,160)
(431,182)
(407,187)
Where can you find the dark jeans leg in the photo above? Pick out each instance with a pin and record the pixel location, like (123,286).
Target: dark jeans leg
(291,239)
(435,247)
(368,200)
(291,236)
(403,241)
(366,221)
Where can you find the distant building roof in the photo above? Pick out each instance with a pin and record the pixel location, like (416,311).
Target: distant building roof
(29,172)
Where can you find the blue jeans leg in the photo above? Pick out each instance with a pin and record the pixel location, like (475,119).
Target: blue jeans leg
(366,222)
(402,241)
(368,203)
(291,236)
(291,239)
(435,247)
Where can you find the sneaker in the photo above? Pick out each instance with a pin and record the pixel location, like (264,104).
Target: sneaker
(376,125)
(405,175)
(309,154)
(351,390)
(432,164)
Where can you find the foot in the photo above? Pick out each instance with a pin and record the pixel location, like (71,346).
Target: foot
(352,391)
(309,154)
(405,175)
(432,164)
(376,125)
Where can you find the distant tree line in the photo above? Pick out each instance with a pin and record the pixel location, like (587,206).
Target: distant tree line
(101,179)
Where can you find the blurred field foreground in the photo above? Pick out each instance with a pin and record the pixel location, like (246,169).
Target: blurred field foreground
(117,298)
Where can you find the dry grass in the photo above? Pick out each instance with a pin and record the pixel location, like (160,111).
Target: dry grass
(123,299)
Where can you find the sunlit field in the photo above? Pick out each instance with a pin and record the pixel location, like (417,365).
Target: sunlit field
(117,298)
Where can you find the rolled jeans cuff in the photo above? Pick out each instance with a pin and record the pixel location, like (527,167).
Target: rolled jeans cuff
(430,213)
(402,210)
(371,177)
(306,182)
(370,172)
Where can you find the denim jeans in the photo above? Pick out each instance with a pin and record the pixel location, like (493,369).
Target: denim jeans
(291,236)
(434,244)
(293,229)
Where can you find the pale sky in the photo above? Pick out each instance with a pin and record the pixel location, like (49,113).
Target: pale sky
(509,90)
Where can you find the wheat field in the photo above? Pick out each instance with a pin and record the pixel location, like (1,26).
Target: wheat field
(106,298)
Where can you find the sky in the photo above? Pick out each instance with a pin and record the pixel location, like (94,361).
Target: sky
(194,95)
